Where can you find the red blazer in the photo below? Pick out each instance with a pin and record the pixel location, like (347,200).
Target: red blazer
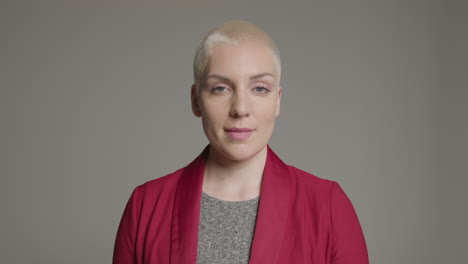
(301,219)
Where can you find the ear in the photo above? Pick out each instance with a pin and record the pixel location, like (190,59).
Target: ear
(194,99)
(278,103)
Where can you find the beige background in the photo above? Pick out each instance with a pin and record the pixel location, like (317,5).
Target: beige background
(95,101)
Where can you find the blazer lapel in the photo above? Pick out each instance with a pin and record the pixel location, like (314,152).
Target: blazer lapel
(186,214)
(271,217)
(272,212)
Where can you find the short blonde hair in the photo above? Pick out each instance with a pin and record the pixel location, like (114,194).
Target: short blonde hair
(232,32)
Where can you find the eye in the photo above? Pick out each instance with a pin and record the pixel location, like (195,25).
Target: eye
(218,89)
(261,89)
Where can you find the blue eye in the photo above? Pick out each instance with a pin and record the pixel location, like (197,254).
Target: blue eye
(219,89)
(261,89)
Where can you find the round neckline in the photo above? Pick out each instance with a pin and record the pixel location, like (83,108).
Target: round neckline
(230,202)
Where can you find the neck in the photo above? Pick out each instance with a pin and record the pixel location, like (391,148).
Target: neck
(234,180)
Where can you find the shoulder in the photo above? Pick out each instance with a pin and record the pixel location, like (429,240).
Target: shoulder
(322,191)
(157,188)
(309,180)
(317,190)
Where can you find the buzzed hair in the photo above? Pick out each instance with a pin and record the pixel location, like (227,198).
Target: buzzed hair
(232,32)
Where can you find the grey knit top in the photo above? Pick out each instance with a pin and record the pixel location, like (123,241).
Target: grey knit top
(226,230)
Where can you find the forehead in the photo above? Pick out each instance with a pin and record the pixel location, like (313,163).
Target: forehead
(248,58)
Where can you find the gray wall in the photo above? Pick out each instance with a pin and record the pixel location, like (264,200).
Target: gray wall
(95,101)
(453,187)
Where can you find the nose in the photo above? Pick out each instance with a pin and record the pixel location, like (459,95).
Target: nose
(240,105)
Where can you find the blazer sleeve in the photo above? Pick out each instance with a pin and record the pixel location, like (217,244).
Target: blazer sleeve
(125,241)
(348,244)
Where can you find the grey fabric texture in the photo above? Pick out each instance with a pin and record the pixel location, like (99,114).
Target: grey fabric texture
(226,230)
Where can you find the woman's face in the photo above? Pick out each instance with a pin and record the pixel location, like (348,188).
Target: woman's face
(239,99)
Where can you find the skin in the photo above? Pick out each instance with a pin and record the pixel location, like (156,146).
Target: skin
(240,90)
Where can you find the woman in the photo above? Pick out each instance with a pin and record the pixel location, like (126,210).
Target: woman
(237,202)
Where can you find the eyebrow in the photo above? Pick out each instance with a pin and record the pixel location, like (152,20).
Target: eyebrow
(256,76)
(260,75)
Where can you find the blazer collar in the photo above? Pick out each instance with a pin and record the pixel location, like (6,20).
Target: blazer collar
(271,217)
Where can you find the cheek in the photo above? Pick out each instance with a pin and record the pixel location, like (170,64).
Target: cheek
(267,111)
(213,113)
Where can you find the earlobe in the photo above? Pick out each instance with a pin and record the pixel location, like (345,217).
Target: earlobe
(194,100)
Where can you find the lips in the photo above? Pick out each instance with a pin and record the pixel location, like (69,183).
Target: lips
(238,133)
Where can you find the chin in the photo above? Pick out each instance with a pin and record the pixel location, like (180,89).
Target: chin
(238,151)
